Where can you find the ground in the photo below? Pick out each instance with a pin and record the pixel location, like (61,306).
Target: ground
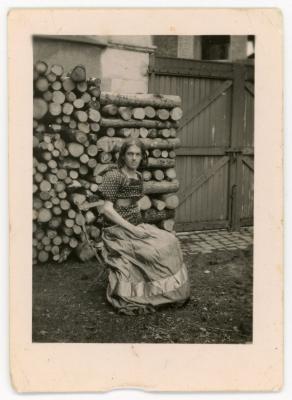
(69,304)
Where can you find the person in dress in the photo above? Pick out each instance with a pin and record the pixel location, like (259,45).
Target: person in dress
(146,267)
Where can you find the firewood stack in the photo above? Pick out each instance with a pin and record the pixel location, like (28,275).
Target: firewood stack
(77,134)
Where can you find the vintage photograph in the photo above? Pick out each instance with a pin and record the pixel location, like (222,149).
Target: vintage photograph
(143,198)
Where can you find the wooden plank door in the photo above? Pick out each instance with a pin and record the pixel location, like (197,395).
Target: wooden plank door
(210,164)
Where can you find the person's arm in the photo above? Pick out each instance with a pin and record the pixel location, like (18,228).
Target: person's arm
(108,211)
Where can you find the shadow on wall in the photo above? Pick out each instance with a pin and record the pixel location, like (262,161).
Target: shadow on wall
(120,61)
(69,52)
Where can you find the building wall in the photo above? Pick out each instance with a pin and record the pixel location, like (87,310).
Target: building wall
(120,61)
(124,71)
(190,47)
(185,47)
(166,45)
(125,64)
(69,53)
(238,47)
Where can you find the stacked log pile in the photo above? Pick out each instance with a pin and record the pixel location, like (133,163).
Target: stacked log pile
(77,134)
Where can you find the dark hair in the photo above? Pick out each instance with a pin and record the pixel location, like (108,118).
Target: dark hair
(132,142)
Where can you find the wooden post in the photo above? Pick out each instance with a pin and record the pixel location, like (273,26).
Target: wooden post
(236,140)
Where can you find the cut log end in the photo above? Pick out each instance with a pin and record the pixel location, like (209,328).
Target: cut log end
(40,108)
(78,74)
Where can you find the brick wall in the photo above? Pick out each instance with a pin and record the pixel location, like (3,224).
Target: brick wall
(166,45)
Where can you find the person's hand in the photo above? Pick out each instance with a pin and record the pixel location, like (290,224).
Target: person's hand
(84,206)
(139,232)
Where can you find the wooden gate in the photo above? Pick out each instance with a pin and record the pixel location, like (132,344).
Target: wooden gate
(215,161)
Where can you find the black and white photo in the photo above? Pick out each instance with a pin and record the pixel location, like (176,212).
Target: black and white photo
(143,188)
(145,157)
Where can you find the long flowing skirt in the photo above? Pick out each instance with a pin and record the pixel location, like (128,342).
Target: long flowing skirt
(144,272)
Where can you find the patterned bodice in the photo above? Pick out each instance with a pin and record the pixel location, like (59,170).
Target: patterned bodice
(116,185)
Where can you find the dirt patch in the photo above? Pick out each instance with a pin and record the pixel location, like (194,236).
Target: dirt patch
(69,305)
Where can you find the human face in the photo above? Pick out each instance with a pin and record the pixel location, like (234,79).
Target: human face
(133,157)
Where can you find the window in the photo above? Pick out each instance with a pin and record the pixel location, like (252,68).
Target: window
(215,47)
